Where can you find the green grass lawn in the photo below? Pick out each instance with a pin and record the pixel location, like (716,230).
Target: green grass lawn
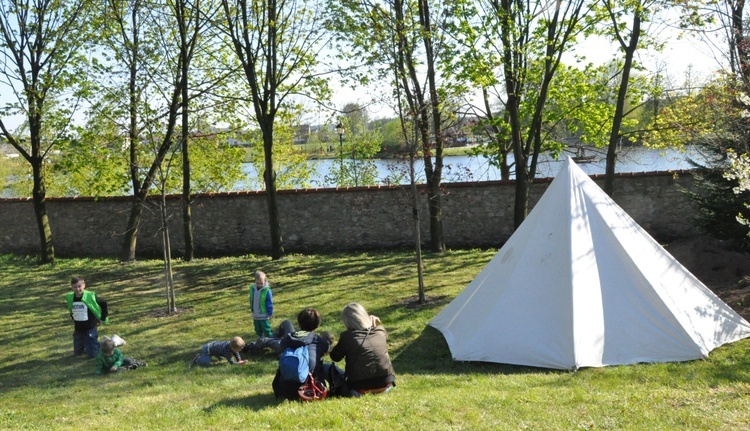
(42,386)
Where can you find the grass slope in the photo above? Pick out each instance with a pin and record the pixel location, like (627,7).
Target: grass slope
(42,387)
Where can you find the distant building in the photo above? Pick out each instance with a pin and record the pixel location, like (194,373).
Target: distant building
(461,133)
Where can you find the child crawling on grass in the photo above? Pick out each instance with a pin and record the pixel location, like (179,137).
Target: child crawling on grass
(229,350)
(111,360)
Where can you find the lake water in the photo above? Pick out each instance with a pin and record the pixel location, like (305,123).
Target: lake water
(470,168)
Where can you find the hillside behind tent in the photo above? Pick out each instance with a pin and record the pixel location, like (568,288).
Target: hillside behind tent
(580,284)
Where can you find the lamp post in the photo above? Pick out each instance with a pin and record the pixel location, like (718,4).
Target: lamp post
(354,165)
(340,131)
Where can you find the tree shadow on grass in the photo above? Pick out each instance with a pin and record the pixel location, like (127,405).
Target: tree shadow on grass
(429,354)
(52,372)
(255,402)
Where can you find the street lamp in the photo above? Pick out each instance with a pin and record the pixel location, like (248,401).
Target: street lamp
(340,131)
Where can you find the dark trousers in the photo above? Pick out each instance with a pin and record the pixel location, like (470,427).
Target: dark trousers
(86,342)
(273,343)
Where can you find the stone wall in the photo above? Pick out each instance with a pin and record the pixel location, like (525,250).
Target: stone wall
(475,215)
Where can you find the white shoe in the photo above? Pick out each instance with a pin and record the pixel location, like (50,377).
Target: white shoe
(118,341)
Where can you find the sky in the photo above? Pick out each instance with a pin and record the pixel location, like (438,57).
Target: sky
(679,54)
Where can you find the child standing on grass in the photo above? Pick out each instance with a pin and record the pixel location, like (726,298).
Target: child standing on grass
(87,312)
(111,360)
(229,350)
(261,304)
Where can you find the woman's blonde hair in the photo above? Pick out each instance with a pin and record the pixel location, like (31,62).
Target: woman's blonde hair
(355,317)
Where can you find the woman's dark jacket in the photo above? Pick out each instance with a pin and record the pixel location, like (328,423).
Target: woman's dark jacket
(368,365)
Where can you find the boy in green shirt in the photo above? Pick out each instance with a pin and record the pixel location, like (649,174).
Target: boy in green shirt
(111,360)
(87,312)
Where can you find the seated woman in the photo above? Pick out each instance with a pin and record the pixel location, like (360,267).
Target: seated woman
(364,345)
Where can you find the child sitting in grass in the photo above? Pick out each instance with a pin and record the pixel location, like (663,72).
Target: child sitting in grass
(229,350)
(328,336)
(111,360)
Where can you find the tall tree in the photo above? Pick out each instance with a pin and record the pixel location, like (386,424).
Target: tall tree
(512,50)
(205,77)
(426,105)
(405,36)
(578,108)
(478,65)
(629,37)
(127,45)
(726,17)
(188,18)
(525,32)
(277,43)
(715,118)
(151,45)
(43,49)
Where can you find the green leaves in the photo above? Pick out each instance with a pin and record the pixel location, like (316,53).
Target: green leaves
(290,162)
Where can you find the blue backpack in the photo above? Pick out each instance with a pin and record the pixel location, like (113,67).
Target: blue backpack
(294,364)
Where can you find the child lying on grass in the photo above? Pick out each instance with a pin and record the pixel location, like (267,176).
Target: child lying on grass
(111,360)
(229,350)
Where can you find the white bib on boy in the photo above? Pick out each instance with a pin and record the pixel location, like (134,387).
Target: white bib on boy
(80,311)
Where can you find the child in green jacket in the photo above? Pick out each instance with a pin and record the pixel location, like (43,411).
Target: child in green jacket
(261,305)
(111,360)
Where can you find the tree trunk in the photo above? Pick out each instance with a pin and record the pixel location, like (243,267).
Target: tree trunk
(436,216)
(40,210)
(614,137)
(131,232)
(739,42)
(168,279)
(434,173)
(139,202)
(134,220)
(269,176)
(521,204)
(187,222)
(417,230)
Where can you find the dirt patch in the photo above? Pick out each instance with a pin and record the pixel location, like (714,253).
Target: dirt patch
(738,299)
(725,271)
(429,302)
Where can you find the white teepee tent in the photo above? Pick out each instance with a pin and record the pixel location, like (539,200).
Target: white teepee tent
(580,284)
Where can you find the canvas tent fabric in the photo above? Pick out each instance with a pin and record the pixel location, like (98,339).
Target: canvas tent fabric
(581,284)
